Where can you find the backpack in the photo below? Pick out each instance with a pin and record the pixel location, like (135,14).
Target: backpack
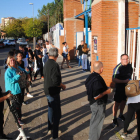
(132,88)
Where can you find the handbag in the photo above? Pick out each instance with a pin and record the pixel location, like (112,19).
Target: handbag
(132,88)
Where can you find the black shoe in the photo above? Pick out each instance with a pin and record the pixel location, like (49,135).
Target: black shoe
(124,135)
(121,117)
(115,122)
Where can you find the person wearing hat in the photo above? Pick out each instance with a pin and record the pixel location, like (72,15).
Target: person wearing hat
(65,55)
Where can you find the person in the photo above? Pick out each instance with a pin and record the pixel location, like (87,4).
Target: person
(25,55)
(48,46)
(84,57)
(30,62)
(10,53)
(15,81)
(52,87)
(97,91)
(45,55)
(133,106)
(2,99)
(65,55)
(38,56)
(121,75)
(80,52)
(20,63)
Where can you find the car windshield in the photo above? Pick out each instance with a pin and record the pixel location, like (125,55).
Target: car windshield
(5,41)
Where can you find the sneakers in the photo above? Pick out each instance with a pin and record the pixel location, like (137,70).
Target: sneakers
(20,122)
(42,77)
(115,122)
(29,96)
(121,117)
(51,131)
(24,103)
(124,135)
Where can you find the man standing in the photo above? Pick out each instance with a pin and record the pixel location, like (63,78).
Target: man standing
(52,87)
(80,52)
(48,46)
(97,96)
(39,62)
(121,75)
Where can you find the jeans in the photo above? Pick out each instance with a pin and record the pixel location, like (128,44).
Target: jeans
(96,121)
(44,59)
(84,61)
(54,114)
(80,60)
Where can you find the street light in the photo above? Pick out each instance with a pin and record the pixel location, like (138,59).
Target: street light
(34,40)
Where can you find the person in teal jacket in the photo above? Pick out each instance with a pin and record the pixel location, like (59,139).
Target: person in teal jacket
(15,81)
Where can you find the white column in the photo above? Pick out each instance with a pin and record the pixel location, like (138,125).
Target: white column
(121,28)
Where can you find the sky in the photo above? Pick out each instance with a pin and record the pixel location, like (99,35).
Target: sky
(21,8)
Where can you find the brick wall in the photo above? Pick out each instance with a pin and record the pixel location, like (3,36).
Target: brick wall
(61,40)
(131,19)
(71,25)
(105,26)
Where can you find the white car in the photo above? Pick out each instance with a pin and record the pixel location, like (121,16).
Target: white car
(22,41)
(9,42)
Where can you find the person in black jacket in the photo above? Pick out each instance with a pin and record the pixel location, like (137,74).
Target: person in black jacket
(2,98)
(52,87)
(97,96)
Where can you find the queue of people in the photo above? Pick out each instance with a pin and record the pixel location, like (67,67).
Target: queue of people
(18,77)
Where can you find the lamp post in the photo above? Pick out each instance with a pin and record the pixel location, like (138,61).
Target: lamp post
(34,39)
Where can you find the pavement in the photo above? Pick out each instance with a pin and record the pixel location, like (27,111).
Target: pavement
(76,113)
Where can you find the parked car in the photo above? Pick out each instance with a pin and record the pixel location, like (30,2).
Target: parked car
(1,44)
(22,41)
(10,42)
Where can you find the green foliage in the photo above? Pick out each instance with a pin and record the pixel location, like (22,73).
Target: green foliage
(52,11)
(14,29)
(33,28)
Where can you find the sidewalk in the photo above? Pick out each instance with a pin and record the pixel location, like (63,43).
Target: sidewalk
(76,112)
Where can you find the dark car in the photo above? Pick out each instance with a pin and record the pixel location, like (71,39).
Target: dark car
(1,44)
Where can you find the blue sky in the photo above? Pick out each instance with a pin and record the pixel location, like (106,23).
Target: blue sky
(20,8)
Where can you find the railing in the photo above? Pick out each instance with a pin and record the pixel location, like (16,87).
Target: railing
(133,50)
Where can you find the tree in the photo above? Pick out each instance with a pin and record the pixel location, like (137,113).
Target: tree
(14,29)
(55,12)
(33,28)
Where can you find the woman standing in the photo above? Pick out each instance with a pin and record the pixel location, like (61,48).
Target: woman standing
(84,57)
(45,56)
(15,81)
(20,63)
(133,106)
(65,55)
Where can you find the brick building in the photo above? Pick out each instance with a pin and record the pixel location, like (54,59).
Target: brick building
(110,18)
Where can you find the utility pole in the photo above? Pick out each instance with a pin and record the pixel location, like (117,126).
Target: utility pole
(48,25)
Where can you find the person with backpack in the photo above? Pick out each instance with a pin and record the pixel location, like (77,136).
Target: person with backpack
(97,91)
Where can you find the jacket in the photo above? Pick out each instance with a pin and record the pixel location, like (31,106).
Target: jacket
(11,80)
